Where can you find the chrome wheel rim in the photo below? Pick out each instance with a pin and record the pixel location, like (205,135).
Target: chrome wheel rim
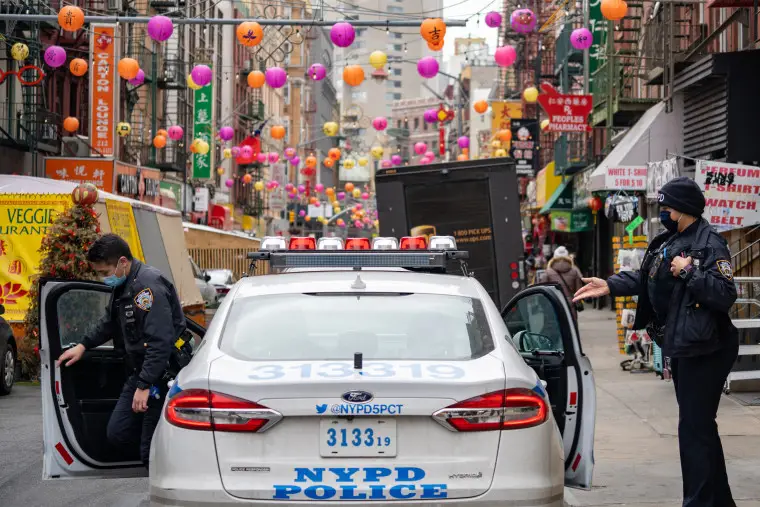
(9,368)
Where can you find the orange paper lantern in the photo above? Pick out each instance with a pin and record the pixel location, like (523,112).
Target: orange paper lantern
(128,68)
(159,141)
(70,124)
(162,132)
(433,29)
(353,75)
(249,34)
(78,67)
(480,106)
(71,18)
(349,187)
(311,162)
(256,79)
(461,157)
(277,132)
(247,178)
(614,10)
(504,135)
(329,162)
(435,46)
(334,153)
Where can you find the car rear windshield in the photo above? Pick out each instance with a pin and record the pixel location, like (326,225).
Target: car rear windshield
(336,326)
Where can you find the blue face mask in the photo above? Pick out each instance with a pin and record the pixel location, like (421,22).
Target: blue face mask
(667,222)
(113,280)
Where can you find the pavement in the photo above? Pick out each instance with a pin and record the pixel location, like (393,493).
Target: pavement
(636,447)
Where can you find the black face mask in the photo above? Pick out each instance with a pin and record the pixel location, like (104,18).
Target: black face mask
(667,222)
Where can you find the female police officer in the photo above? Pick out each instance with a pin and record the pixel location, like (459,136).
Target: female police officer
(685,289)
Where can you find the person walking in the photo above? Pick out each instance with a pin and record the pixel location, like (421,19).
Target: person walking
(685,290)
(562,271)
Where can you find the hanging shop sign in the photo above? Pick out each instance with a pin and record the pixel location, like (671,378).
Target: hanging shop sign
(731,193)
(659,173)
(524,146)
(622,208)
(503,112)
(598,26)
(103,90)
(200,199)
(97,171)
(579,220)
(627,177)
(581,192)
(567,113)
(122,222)
(203,114)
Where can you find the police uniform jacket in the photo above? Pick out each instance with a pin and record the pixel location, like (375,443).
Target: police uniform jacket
(146,314)
(691,310)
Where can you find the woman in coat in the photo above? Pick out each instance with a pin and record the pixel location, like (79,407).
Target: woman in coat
(562,271)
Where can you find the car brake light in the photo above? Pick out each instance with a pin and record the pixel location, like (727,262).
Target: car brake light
(357,244)
(500,410)
(413,243)
(222,290)
(198,409)
(302,244)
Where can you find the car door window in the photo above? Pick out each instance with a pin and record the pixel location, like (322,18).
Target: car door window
(79,312)
(533,324)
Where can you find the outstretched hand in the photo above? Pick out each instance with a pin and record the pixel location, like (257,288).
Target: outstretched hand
(594,288)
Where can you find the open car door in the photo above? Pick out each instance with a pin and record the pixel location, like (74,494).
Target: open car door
(542,328)
(77,400)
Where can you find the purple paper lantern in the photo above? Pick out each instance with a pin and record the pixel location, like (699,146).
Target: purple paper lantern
(396,160)
(274,157)
(463,142)
(493,19)
(55,56)
(523,21)
(289,152)
(505,56)
(138,79)
(295,160)
(380,123)
(261,157)
(201,75)
(229,183)
(226,133)
(581,38)
(276,77)
(235,150)
(420,148)
(317,72)
(341,195)
(342,34)
(430,116)
(160,28)
(427,67)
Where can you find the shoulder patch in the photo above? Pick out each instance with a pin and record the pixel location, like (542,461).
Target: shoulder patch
(144,299)
(725,268)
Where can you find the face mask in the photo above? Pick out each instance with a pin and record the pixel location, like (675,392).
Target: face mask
(113,280)
(667,222)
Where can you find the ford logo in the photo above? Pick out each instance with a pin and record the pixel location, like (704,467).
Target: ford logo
(357,396)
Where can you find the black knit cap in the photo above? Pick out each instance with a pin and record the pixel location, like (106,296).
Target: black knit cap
(684,195)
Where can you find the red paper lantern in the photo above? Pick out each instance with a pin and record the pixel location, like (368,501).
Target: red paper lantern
(85,194)
(595,204)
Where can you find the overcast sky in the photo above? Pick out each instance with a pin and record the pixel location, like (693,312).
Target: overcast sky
(461,9)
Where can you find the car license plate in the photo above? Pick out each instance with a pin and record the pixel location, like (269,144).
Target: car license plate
(357,438)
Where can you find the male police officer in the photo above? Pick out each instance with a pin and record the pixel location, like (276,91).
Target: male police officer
(685,289)
(145,313)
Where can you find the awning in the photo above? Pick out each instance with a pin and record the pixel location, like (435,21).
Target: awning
(561,199)
(656,136)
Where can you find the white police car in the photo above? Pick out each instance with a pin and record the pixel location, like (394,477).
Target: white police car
(355,375)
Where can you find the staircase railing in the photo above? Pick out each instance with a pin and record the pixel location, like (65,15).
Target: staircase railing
(746,262)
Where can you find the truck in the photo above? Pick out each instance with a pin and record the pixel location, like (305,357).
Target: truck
(475,201)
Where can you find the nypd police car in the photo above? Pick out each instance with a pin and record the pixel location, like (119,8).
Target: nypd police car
(356,372)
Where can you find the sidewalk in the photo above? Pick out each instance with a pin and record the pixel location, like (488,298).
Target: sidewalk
(636,447)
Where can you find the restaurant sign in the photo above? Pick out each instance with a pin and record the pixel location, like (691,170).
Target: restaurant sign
(524,147)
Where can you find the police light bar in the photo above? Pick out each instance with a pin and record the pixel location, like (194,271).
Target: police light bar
(273,243)
(442,243)
(357,259)
(330,244)
(384,244)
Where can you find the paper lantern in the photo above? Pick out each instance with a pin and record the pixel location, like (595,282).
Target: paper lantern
(317,72)
(162,132)
(247,178)
(495,144)
(420,148)
(523,21)
(530,94)
(377,151)
(289,187)
(385,164)
(505,56)
(595,204)
(581,38)
(330,128)
(365,195)
(229,183)
(493,19)
(226,133)
(191,84)
(277,132)
(160,28)
(356,193)
(202,146)
(358,224)
(348,187)
(256,79)
(302,213)
(501,152)
(396,160)
(295,161)
(424,161)
(463,142)
(544,124)
(301,189)
(334,153)
(480,106)
(433,29)
(227,153)
(70,124)
(139,78)
(435,46)
(319,187)
(353,75)
(362,161)
(273,157)
(289,152)
(236,151)
(427,67)
(276,77)
(176,133)
(220,171)
(249,33)
(55,56)
(378,59)
(201,75)
(430,155)
(329,162)
(614,10)
(78,67)
(504,135)
(159,142)
(261,157)
(380,123)
(311,162)
(430,116)
(123,129)
(85,194)
(19,51)
(342,34)
(349,163)
(71,18)
(258,186)
(461,157)
(128,68)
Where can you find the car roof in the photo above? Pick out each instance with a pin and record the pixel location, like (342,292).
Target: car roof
(299,281)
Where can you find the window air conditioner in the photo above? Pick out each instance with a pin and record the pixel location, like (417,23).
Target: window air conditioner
(75,147)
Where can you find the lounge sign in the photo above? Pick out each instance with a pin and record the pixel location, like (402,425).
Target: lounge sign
(102,90)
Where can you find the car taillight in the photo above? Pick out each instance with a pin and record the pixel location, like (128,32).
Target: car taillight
(413,243)
(302,244)
(500,410)
(357,244)
(222,290)
(198,409)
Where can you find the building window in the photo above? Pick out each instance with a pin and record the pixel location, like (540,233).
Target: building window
(397,35)
(361,96)
(397,84)
(396,72)
(389,96)
(416,123)
(395,9)
(398,123)
(424,126)
(396,96)
(398,47)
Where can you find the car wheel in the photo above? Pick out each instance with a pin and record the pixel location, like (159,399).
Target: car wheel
(7,369)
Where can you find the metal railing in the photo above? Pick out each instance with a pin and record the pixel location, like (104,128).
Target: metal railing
(27,126)
(667,35)
(746,262)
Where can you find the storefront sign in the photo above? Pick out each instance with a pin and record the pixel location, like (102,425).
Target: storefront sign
(24,221)
(581,192)
(122,222)
(659,173)
(626,177)
(97,171)
(103,86)
(200,199)
(572,221)
(567,113)
(171,195)
(598,26)
(731,192)
(503,113)
(203,115)
(524,147)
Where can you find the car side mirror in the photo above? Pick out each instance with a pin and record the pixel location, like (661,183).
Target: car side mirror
(2,309)
(207,277)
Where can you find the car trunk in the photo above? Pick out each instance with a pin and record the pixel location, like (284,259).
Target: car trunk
(385,448)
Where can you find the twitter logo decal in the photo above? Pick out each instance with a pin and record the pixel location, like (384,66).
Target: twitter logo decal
(321,409)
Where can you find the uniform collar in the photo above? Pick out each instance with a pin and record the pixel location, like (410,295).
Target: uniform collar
(134,271)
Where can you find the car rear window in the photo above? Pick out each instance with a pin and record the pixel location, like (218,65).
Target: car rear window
(335,326)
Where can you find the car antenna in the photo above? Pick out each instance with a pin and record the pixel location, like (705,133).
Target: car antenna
(358,360)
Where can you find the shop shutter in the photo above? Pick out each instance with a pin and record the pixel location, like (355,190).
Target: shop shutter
(705,131)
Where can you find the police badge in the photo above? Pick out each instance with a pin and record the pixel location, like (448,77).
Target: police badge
(725,269)
(144,300)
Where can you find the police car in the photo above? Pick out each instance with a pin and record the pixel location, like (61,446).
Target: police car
(358,373)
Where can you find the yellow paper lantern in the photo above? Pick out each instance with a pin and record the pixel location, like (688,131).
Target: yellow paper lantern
(227,153)
(330,128)
(378,59)
(495,144)
(202,147)
(530,94)
(20,51)
(220,171)
(500,153)
(191,84)
(362,161)
(349,163)
(123,129)
(377,151)
(356,193)
(258,186)
(544,124)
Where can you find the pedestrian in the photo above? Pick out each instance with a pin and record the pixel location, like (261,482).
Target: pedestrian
(562,271)
(145,318)
(685,289)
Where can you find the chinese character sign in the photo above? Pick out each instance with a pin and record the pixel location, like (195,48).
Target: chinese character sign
(103,90)
(731,193)
(97,171)
(524,146)
(598,27)
(567,113)
(203,129)
(503,113)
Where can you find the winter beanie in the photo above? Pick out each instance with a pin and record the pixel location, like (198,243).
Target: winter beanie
(684,195)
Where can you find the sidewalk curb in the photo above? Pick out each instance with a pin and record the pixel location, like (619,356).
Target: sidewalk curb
(570,500)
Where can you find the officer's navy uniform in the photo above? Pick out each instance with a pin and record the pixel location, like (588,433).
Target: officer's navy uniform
(688,317)
(146,314)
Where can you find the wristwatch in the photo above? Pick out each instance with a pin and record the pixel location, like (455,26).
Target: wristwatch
(685,271)
(142,385)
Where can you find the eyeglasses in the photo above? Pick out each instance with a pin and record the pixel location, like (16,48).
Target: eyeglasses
(26,69)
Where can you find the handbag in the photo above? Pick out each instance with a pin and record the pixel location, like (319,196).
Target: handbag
(578,304)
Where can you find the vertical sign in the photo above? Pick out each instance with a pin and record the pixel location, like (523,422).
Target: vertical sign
(503,113)
(103,86)
(598,27)
(524,146)
(202,129)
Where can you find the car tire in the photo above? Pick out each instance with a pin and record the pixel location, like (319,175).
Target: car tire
(8,360)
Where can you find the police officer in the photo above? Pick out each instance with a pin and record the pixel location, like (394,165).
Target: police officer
(685,289)
(146,316)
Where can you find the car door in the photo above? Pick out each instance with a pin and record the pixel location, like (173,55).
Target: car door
(542,328)
(77,400)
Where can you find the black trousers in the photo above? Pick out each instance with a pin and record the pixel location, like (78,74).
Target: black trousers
(128,429)
(699,384)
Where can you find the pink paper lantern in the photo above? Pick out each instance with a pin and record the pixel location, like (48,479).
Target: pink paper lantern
(274,157)
(424,161)
(358,224)
(301,189)
(427,67)
(275,184)
(365,195)
(55,56)
(430,116)
(302,213)
(138,79)
(319,187)
(358,206)
(246,152)
(420,148)
(380,123)
(295,160)
(275,77)
(201,75)
(160,28)
(176,133)
(523,21)
(493,19)
(581,38)
(292,195)
(430,155)
(289,187)
(463,142)
(229,183)
(261,158)
(396,160)
(226,133)
(342,34)
(235,150)
(341,196)
(290,152)
(505,56)
(317,72)
(385,164)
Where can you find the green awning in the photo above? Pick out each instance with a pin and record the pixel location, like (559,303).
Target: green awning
(561,199)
